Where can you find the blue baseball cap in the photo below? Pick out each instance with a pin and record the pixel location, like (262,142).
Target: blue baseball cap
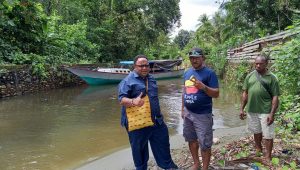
(196,52)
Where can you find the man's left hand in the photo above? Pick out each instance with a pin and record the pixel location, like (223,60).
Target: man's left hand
(198,84)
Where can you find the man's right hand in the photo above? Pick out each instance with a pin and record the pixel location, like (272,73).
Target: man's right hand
(242,115)
(182,114)
(138,101)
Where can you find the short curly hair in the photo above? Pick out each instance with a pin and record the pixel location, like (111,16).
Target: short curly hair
(265,56)
(139,56)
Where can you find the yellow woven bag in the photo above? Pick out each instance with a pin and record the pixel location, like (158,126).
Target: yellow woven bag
(139,117)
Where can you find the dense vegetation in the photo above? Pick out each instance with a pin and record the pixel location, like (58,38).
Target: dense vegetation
(77,31)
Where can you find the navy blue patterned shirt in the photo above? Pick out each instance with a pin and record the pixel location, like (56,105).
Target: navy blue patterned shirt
(195,100)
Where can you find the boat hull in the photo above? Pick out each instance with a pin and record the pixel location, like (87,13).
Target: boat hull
(92,77)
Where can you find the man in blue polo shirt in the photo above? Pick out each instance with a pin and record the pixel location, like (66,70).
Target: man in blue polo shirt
(132,89)
(200,86)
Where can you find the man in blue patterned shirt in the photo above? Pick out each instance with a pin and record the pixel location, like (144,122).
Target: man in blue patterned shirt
(131,92)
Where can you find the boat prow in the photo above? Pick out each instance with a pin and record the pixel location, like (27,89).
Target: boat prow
(95,77)
(99,76)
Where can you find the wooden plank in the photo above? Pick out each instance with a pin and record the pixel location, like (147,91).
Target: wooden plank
(233,56)
(249,60)
(278,36)
(248,54)
(268,37)
(256,46)
(236,49)
(251,50)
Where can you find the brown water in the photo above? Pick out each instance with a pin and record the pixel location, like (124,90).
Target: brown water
(62,129)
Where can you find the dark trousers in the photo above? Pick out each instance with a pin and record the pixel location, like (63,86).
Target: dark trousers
(158,137)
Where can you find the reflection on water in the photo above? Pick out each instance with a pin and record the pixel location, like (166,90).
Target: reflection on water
(62,129)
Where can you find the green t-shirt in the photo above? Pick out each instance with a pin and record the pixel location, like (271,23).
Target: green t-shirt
(259,100)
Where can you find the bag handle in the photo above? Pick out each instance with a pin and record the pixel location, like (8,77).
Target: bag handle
(147,85)
(264,84)
(156,115)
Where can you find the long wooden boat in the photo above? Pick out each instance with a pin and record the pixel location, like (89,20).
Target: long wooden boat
(160,69)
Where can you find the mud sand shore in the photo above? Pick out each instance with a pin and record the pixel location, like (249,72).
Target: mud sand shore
(122,160)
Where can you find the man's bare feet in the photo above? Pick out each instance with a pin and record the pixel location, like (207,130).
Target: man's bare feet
(196,166)
(266,161)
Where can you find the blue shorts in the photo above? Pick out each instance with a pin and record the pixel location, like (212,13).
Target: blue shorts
(198,127)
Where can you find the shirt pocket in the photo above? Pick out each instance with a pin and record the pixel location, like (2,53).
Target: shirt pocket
(152,89)
(138,89)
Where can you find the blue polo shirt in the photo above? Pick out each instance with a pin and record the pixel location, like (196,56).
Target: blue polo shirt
(132,86)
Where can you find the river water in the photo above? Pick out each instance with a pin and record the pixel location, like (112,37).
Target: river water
(62,129)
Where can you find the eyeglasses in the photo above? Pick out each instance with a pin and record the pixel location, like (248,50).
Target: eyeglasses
(194,58)
(144,65)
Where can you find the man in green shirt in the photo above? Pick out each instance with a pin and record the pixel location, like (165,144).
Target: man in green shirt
(260,95)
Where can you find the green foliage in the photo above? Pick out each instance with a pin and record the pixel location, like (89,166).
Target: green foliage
(287,65)
(68,43)
(223,151)
(7,51)
(244,152)
(85,31)
(183,38)
(235,74)
(288,71)
(285,168)
(275,161)
(23,26)
(293,165)
(259,17)
(289,116)
(238,22)
(222,162)
(162,49)
(21,58)
(38,65)
(217,60)
(123,29)
(72,11)
(3,70)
